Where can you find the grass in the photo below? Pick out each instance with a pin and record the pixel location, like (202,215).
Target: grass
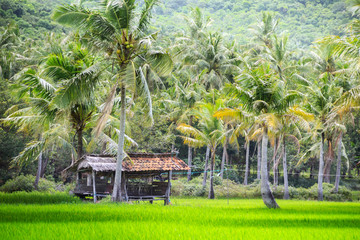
(37,198)
(185,219)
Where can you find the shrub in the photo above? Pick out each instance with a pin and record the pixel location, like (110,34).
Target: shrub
(228,188)
(26,183)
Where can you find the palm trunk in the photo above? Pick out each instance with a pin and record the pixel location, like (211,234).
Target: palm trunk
(80,143)
(247,163)
(259,160)
(321,169)
(266,193)
(328,161)
(43,166)
(286,182)
(274,166)
(189,155)
(116,195)
(223,161)
(338,165)
(206,165)
(212,167)
(38,173)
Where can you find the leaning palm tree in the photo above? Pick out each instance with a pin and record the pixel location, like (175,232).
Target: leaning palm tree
(118,29)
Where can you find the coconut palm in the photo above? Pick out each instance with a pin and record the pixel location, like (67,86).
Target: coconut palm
(263,95)
(118,29)
(60,92)
(210,132)
(264,29)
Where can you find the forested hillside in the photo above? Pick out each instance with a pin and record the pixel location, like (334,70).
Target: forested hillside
(303,20)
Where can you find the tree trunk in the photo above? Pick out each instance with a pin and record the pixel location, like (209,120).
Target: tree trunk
(328,161)
(212,167)
(338,165)
(206,165)
(223,161)
(311,171)
(247,144)
(286,183)
(274,164)
(80,142)
(258,161)
(321,169)
(266,193)
(43,167)
(116,195)
(38,173)
(189,155)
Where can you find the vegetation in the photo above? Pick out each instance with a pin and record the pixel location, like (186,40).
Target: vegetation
(187,218)
(206,91)
(37,198)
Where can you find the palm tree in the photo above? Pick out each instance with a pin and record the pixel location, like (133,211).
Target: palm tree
(210,133)
(262,94)
(62,89)
(185,96)
(119,31)
(264,29)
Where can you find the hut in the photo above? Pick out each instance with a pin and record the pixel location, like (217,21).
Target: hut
(145,176)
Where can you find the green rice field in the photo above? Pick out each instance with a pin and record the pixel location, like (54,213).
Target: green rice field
(184,219)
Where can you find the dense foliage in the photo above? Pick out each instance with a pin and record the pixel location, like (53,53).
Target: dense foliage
(304,20)
(229,92)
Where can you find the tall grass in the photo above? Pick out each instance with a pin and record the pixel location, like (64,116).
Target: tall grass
(185,219)
(37,198)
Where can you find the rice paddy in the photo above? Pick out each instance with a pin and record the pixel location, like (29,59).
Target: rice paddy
(184,219)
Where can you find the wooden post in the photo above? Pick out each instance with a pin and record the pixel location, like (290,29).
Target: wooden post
(168,190)
(78,177)
(94,186)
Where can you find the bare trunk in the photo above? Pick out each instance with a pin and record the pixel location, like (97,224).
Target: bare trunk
(80,143)
(43,167)
(274,165)
(206,165)
(212,167)
(338,165)
(259,160)
(116,195)
(189,155)
(266,193)
(321,169)
(286,183)
(38,173)
(223,161)
(247,163)
(328,161)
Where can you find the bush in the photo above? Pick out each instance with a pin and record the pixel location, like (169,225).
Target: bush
(37,198)
(228,188)
(26,183)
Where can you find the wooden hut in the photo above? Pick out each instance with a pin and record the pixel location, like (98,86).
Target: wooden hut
(145,176)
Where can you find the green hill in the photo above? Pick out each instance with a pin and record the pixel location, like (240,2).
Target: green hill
(303,20)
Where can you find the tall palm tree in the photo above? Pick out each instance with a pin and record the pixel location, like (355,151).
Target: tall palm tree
(210,133)
(262,94)
(265,28)
(117,29)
